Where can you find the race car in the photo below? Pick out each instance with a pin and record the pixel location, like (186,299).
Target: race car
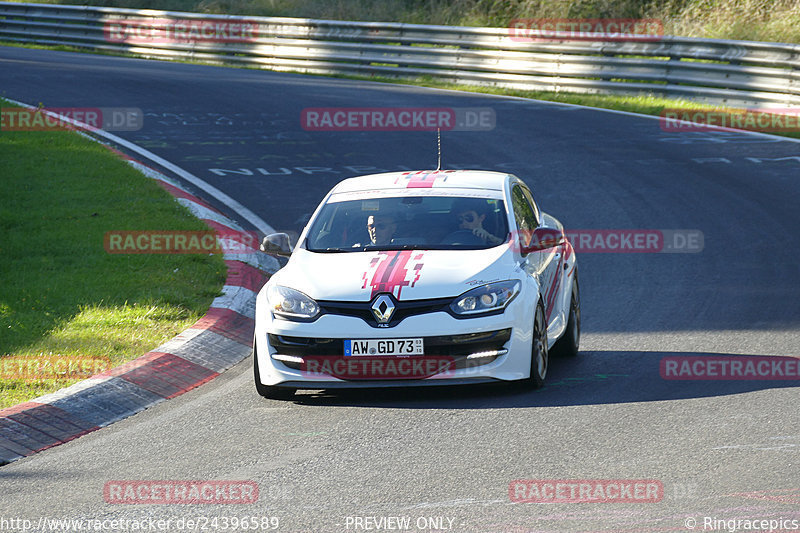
(403,279)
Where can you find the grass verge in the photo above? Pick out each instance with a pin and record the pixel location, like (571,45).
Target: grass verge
(63,297)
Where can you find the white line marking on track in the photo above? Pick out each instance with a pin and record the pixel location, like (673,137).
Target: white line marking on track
(257,222)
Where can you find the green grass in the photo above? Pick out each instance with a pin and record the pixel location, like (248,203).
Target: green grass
(63,295)
(759,20)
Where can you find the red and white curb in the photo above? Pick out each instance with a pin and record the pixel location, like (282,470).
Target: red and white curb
(219,340)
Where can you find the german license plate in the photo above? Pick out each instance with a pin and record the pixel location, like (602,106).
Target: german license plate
(358,347)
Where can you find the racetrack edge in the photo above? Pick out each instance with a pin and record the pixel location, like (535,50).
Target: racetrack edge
(217,341)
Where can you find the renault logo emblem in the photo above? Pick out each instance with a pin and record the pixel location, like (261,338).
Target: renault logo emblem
(383,308)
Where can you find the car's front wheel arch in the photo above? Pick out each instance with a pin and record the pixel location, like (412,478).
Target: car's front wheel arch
(569,343)
(268,391)
(540,359)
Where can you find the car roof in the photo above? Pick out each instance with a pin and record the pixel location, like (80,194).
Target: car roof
(425,179)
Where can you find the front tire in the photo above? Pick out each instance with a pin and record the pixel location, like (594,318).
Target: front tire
(540,358)
(568,344)
(267,391)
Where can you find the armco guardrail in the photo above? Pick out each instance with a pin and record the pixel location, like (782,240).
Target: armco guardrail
(736,73)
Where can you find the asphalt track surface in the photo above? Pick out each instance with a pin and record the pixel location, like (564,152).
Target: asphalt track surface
(722,449)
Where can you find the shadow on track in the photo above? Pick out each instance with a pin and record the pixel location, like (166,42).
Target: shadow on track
(594,377)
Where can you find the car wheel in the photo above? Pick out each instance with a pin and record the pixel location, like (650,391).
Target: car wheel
(539,354)
(568,344)
(273,393)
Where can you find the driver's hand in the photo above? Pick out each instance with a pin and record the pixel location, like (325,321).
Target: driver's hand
(485,236)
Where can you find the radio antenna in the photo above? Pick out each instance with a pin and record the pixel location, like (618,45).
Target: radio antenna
(439,145)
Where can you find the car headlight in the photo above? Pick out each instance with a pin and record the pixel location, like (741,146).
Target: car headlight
(486,298)
(289,303)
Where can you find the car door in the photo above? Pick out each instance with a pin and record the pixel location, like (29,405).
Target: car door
(550,266)
(544,265)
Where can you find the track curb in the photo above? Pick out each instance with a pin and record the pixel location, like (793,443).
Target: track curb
(219,340)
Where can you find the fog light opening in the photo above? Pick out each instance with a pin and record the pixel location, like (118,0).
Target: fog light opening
(288,358)
(485,355)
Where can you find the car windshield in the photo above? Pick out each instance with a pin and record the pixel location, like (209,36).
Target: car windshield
(409,222)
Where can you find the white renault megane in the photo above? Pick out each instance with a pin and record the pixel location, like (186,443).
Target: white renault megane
(418,278)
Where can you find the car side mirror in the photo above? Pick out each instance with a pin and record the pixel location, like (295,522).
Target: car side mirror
(542,239)
(277,244)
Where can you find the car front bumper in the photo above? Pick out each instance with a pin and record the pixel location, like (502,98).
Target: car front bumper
(309,355)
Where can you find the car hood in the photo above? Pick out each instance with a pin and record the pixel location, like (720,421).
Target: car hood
(407,274)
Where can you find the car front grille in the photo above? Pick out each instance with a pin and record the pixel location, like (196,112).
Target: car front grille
(403,309)
(484,347)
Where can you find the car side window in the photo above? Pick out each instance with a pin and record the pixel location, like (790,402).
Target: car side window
(523,213)
(533,205)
